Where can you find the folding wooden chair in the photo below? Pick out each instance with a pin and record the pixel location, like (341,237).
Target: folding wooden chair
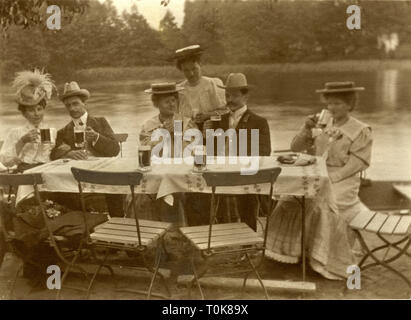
(128,234)
(387,223)
(121,137)
(228,238)
(58,243)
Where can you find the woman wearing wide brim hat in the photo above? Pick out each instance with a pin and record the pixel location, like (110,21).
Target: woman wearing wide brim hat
(345,143)
(165,98)
(201,96)
(22,145)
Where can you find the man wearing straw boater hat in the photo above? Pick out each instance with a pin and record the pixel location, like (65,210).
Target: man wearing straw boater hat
(99,135)
(100,140)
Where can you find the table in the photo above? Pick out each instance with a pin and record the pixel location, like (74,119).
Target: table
(165,179)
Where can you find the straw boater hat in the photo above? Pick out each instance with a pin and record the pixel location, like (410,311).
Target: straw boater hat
(32,87)
(236,81)
(347,86)
(72,89)
(163,88)
(187,52)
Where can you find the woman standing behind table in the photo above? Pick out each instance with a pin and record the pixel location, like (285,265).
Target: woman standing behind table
(202,96)
(346,144)
(22,146)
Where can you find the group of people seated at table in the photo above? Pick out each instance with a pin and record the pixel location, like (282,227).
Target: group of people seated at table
(344,142)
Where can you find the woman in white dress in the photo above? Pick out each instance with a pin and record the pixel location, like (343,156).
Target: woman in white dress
(346,144)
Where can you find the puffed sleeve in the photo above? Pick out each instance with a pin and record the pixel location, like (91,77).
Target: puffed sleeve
(359,156)
(362,146)
(8,154)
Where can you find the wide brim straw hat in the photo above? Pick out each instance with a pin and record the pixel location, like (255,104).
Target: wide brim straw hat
(334,87)
(163,88)
(72,89)
(32,87)
(187,52)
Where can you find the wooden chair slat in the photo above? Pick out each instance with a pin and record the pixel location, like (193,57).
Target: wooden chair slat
(361,220)
(390,224)
(376,223)
(112,226)
(403,225)
(120,239)
(218,233)
(250,235)
(220,226)
(126,233)
(231,243)
(143,223)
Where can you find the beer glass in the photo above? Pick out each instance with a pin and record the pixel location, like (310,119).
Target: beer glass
(45,136)
(323,119)
(144,158)
(200,159)
(216,121)
(79,138)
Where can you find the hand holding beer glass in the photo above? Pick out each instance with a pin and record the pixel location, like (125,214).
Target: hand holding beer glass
(200,159)
(144,158)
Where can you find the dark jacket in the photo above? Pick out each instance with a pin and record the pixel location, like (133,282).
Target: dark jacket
(249,121)
(106,146)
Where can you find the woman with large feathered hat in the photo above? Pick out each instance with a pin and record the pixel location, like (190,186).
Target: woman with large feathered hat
(22,145)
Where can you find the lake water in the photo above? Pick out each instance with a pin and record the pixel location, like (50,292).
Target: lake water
(284,99)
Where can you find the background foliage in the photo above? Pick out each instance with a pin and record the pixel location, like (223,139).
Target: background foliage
(95,35)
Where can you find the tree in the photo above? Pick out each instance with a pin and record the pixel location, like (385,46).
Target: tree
(28,13)
(170,33)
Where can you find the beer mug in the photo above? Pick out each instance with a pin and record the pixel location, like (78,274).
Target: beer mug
(47,135)
(79,138)
(216,121)
(200,159)
(144,158)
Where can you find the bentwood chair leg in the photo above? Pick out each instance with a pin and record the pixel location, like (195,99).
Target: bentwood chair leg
(96,273)
(66,272)
(258,275)
(384,263)
(157,265)
(13,286)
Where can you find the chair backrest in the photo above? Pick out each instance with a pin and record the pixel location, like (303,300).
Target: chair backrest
(131,178)
(227,178)
(16,180)
(121,137)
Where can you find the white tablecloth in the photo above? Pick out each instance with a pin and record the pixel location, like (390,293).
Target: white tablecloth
(166,179)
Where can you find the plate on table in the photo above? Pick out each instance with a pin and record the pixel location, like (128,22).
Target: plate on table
(297,159)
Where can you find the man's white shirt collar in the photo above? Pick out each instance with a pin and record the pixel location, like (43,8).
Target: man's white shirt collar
(82,120)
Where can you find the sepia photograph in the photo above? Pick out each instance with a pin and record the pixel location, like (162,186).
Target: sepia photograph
(225,150)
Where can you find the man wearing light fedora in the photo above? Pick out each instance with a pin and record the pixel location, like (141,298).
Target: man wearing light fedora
(241,117)
(100,142)
(100,138)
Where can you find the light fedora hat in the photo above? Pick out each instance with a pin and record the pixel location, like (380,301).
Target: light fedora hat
(341,86)
(163,88)
(72,89)
(236,81)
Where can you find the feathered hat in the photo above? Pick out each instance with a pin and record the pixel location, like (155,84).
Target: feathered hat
(32,87)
